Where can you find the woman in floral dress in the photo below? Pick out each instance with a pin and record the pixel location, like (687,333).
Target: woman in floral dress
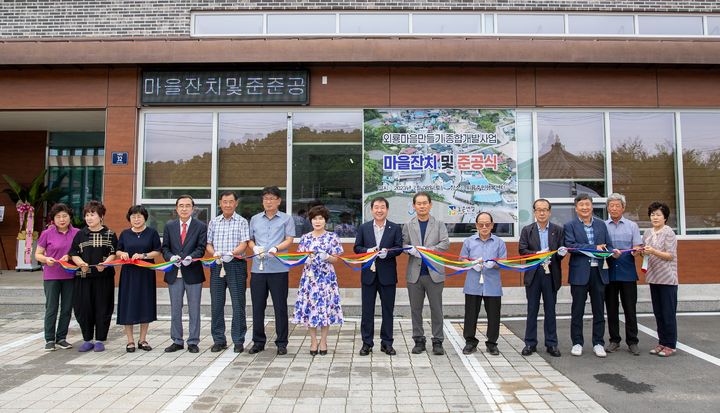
(318,297)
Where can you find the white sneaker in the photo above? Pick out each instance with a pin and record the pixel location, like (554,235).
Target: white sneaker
(576,350)
(599,350)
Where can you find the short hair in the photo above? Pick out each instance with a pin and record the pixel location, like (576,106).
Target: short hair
(58,208)
(542,200)
(94,206)
(379,199)
(616,197)
(318,210)
(662,207)
(271,190)
(228,193)
(185,196)
(484,213)
(581,197)
(137,209)
(422,193)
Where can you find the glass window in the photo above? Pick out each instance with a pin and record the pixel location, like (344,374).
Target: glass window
(159,215)
(227,24)
(178,152)
(670,25)
(489,23)
(643,162)
(600,24)
(525,167)
(530,24)
(300,23)
(571,154)
(327,169)
(446,23)
(252,150)
(701,169)
(374,23)
(713,25)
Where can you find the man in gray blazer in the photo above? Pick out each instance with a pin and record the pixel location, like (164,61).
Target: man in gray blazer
(426,231)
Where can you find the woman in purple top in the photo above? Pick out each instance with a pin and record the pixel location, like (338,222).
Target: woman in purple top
(53,245)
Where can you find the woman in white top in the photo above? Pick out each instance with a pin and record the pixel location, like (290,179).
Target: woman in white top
(660,260)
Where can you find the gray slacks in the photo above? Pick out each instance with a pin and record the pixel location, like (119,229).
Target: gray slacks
(417,291)
(194,292)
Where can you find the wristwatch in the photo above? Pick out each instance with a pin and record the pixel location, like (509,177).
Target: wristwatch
(145,255)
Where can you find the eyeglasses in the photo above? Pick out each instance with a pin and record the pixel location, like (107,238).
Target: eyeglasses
(484,225)
(542,210)
(270,198)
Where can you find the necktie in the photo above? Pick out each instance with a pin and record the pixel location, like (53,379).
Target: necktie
(183,233)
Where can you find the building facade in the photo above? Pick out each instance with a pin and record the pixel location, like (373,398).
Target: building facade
(138,102)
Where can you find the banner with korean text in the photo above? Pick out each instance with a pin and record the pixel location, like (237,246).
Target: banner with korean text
(465,158)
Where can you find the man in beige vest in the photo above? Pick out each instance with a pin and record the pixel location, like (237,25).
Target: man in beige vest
(424,230)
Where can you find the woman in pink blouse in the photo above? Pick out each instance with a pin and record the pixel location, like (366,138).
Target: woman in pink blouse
(660,254)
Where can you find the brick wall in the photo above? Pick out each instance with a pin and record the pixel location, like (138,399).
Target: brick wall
(21,19)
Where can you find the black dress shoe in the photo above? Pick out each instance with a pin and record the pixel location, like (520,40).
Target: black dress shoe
(193,348)
(553,351)
(365,350)
(256,348)
(419,347)
(493,349)
(438,349)
(469,349)
(281,351)
(238,348)
(528,350)
(173,348)
(217,347)
(389,350)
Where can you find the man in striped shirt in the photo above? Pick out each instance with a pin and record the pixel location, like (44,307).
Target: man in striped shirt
(227,237)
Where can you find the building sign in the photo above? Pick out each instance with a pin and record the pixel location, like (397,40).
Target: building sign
(225,88)
(119,158)
(465,158)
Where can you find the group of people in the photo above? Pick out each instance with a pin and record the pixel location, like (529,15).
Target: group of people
(229,238)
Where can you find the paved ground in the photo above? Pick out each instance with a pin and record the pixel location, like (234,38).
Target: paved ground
(116,381)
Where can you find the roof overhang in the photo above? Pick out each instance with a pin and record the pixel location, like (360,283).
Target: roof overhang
(468,50)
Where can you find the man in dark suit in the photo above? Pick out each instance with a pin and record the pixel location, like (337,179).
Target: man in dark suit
(545,280)
(587,274)
(184,239)
(381,278)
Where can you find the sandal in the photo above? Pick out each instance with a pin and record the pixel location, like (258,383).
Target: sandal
(667,352)
(657,349)
(130,347)
(143,345)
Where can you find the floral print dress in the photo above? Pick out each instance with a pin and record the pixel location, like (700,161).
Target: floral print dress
(318,297)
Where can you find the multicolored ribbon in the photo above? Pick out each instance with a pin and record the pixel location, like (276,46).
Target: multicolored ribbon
(433,259)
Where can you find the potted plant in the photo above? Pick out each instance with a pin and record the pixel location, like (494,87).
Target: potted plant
(27,200)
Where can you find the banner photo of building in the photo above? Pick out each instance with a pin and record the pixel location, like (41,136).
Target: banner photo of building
(466,159)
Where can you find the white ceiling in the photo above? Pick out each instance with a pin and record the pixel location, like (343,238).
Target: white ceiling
(53,120)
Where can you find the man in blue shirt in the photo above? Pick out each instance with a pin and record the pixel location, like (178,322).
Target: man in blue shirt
(624,234)
(483,282)
(271,231)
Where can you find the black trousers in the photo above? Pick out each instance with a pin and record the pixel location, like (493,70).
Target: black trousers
(596,289)
(93,302)
(627,292)
(664,302)
(387,305)
(277,285)
(472,310)
(541,285)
